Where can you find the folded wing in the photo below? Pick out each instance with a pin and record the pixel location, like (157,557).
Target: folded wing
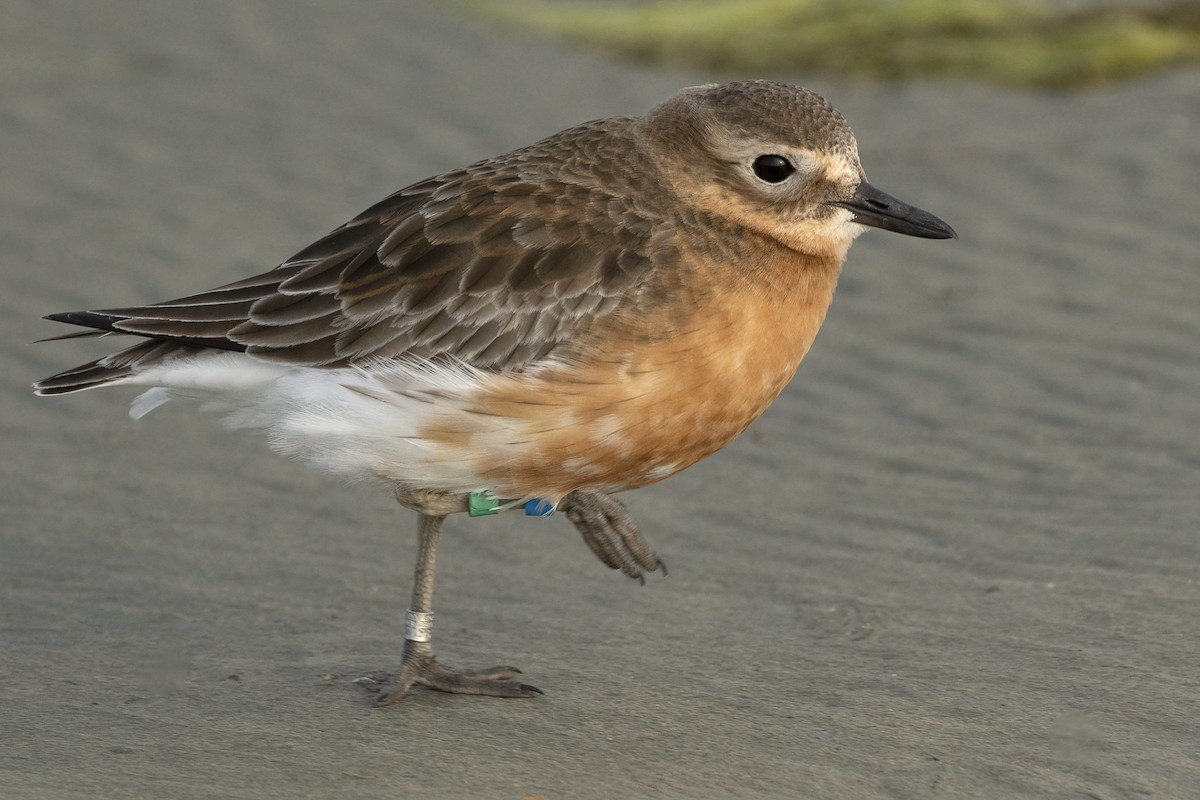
(496,265)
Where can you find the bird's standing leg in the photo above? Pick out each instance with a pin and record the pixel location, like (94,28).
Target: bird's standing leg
(419,666)
(610,531)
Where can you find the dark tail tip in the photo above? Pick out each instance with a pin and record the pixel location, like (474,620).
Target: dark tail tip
(86,319)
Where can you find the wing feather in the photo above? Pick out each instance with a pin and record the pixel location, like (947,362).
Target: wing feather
(496,265)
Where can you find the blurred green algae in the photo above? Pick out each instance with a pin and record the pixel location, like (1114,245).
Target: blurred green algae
(1009,42)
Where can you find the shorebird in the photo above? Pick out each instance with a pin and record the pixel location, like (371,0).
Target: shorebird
(586,315)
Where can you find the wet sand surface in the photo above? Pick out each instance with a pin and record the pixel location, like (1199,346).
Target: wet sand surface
(959,557)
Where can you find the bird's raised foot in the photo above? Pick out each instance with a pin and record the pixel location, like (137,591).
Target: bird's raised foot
(420,668)
(611,533)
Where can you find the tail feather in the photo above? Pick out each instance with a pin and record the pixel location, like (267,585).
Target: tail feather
(74,335)
(86,376)
(120,366)
(111,369)
(87,319)
(207,330)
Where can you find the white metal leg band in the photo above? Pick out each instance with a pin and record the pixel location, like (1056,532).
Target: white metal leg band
(418,625)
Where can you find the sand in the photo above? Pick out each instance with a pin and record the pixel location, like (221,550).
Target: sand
(958,558)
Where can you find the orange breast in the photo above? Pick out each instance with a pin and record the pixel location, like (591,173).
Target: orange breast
(643,403)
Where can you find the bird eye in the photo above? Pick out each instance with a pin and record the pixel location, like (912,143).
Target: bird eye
(773,169)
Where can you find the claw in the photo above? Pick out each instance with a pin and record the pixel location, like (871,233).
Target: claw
(420,668)
(611,534)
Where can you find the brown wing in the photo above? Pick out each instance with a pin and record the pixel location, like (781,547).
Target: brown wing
(495,265)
